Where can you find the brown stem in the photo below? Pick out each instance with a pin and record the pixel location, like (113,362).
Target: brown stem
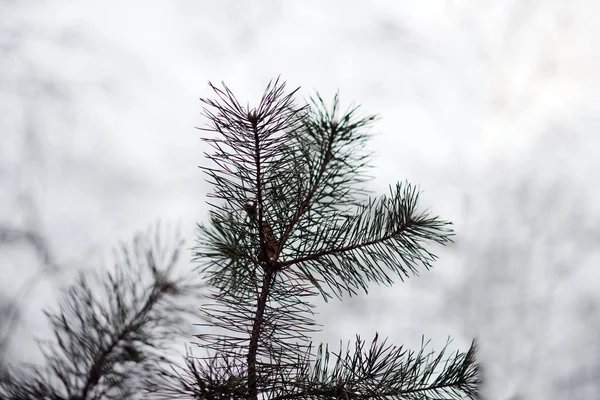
(338,250)
(255,335)
(262,299)
(259,198)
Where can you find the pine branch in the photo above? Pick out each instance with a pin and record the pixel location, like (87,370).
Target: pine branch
(290,211)
(388,372)
(108,338)
(389,226)
(325,135)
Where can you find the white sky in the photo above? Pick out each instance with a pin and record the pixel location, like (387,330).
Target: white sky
(491,106)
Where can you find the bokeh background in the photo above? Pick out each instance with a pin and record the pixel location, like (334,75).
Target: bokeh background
(491,106)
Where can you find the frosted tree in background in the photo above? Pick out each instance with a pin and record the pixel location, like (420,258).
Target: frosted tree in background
(289,220)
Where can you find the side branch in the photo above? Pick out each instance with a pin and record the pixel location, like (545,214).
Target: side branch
(306,202)
(339,250)
(95,371)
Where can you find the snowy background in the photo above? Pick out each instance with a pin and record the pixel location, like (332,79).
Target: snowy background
(491,106)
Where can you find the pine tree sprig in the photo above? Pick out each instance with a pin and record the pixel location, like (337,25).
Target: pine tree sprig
(388,372)
(292,219)
(388,231)
(113,329)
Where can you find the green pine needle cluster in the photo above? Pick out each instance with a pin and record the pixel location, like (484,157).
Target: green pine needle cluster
(289,219)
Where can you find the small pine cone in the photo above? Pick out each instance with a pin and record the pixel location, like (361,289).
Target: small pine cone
(271,243)
(250,208)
